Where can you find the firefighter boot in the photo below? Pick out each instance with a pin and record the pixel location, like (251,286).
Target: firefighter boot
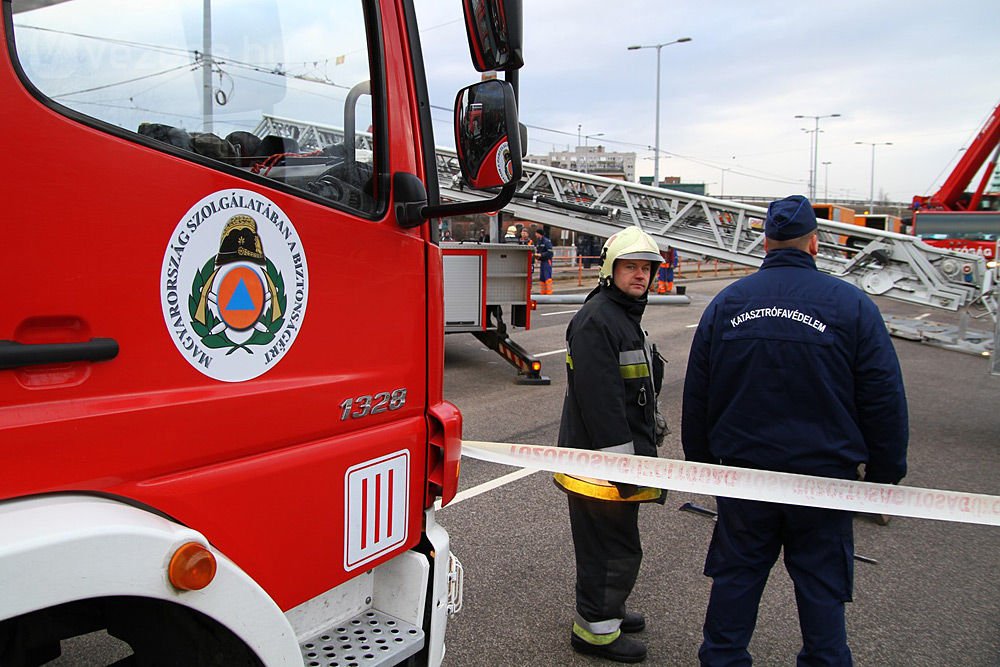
(633,622)
(621,649)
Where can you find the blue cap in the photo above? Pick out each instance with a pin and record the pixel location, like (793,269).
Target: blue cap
(789,218)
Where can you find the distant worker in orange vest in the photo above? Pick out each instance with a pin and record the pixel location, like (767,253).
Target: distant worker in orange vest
(665,276)
(544,253)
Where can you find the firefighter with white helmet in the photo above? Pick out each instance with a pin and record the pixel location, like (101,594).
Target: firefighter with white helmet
(613,376)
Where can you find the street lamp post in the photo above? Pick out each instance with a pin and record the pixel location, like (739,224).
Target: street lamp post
(826,181)
(810,134)
(815,151)
(871,193)
(586,153)
(656,150)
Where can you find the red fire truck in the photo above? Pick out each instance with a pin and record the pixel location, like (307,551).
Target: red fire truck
(222,431)
(955,218)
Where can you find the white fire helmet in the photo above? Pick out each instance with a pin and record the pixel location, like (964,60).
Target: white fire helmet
(630,243)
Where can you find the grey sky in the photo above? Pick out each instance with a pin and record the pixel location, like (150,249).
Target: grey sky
(922,75)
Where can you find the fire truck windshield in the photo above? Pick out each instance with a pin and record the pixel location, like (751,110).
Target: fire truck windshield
(233,86)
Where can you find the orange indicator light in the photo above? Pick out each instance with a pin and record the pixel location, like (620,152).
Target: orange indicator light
(192,567)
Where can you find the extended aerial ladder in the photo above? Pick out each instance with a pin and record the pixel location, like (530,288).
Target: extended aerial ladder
(886,264)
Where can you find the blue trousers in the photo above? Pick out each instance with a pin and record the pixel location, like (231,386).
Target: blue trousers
(819,556)
(545,270)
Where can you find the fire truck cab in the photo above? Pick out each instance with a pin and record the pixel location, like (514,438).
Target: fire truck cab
(222,431)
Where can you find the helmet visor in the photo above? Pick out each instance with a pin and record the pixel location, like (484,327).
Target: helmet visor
(642,254)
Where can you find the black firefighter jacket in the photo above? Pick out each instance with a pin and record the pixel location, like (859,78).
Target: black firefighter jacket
(610,398)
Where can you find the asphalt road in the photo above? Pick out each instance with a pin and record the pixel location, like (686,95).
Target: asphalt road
(933,598)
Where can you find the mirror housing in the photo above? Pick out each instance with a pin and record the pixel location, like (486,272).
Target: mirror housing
(488,141)
(494,31)
(487,134)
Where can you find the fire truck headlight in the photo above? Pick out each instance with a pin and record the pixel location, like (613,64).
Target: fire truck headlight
(192,567)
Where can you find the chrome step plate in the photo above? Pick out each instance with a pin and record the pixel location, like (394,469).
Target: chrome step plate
(369,639)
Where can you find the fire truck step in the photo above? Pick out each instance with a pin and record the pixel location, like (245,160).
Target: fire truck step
(369,639)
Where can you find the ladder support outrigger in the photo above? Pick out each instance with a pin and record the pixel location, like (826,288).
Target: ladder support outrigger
(529,368)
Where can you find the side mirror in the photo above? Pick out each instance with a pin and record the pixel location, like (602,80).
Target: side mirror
(488,139)
(487,134)
(494,31)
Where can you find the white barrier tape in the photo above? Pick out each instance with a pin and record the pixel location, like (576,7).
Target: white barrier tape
(766,485)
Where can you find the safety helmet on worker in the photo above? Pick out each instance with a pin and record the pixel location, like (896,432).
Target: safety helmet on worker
(630,243)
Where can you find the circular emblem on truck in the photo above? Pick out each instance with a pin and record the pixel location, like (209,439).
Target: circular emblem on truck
(234,285)
(505,166)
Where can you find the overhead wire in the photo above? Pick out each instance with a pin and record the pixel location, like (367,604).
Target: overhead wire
(121,83)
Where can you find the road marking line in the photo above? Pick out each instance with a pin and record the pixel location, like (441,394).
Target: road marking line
(691,326)
(561,312)
(488,486)
(549,354)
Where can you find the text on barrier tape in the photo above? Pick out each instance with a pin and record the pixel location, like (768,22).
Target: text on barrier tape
(766,485)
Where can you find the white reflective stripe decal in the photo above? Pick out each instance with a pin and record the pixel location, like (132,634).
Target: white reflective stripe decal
(624,448)
(629,357)
(766,485)
(599,627)
(376,507)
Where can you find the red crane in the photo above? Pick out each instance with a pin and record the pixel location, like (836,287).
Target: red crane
(956,219)
(952,195)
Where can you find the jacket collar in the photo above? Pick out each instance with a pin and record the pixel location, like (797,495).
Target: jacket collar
(634,308)
(788,257)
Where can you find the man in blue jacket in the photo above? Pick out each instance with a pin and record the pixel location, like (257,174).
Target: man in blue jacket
(544,253)
(790,370)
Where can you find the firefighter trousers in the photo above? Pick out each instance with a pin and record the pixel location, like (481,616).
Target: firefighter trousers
(608,556)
